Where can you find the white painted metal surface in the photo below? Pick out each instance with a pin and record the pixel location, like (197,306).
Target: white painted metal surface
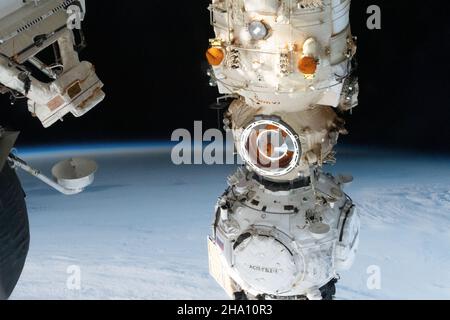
(288,63)
(74,88)
(71,176)
(9,6)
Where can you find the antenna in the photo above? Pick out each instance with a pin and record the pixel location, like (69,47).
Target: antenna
(75,174)
(70,176)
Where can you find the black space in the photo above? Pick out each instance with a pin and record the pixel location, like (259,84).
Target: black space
(150,55)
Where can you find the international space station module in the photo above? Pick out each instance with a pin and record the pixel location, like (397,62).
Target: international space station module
(284,228)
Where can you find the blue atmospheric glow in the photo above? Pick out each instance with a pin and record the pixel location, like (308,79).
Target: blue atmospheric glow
(43,150)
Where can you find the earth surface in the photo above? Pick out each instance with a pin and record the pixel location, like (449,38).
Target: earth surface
(139,232)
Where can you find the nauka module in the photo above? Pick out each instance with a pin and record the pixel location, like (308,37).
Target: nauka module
(284,228)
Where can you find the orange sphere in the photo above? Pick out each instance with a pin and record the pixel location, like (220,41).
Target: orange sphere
(307,65)
(215,56)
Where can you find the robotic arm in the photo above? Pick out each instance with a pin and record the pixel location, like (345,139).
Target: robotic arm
(65,85)
(39,61)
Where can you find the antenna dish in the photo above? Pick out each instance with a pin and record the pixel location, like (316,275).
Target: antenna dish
(75,174)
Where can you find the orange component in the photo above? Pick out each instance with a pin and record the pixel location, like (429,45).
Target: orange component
(269,150)
(307,65)
(272,127)
(215,56)
(55,103)
(276,128)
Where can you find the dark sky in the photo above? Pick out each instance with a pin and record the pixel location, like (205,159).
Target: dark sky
(150,55)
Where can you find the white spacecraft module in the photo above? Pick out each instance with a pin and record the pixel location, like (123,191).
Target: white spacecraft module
(29,29)
(284,228)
